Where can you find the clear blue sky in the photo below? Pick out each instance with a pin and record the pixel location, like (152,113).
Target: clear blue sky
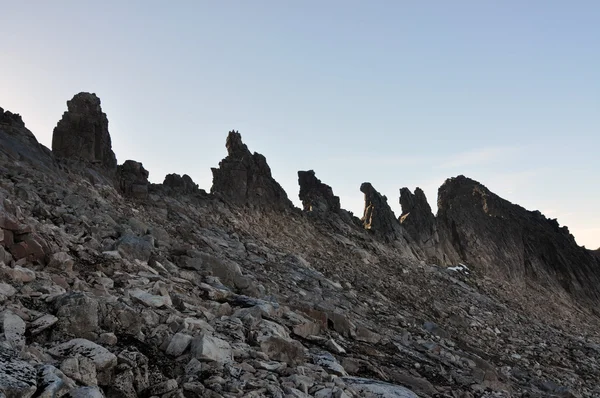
(396,93)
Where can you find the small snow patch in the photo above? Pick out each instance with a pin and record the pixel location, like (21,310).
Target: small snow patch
(460,267)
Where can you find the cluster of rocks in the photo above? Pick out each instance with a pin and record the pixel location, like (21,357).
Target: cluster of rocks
(121,288)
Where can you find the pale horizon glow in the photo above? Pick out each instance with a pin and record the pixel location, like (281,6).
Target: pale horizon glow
(394,93)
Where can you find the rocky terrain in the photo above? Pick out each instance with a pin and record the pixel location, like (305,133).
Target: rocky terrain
(111,286)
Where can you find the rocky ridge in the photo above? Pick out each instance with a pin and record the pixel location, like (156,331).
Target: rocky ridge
(120,288)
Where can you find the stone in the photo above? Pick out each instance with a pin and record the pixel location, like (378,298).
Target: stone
(178,344)
(209,348)
(82,133)
(7,290)
(180,184)
(161,388)
(132,179)
(279,349)
(31,247)
(243,178)
(226,270)
(53,382)
(14,330)
(133,247)
(80,369)
(61,261)
(378,388)
(109,339)
(329,363)
(316,196)
(42,323)
(78,315)
(102,358)
(21,275)
(17,377)
(149,300)
(85,392)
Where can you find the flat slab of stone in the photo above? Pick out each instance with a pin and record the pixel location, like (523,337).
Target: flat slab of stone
(378,388)
(103,359)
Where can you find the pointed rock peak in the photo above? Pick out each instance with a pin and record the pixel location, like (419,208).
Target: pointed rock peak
(235,147)
(378,215)
(414,202)
(245,179)
(505,240)
(11,119)
(82,133)
(181,184)
(316,196)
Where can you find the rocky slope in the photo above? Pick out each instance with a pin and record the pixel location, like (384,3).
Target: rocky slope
(114,287)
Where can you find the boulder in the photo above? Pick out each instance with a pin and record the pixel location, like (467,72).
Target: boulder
(210,348)
(132,179)
(244,178)
(378,388)
(17,377)
(180,184)
(82,133)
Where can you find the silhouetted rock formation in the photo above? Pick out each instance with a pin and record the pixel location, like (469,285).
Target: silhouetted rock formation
(420,223)
(133,179)
(506,240)
(18,143)
(180,184)
(316,196)
(82,133)
(378,215)
(245,178)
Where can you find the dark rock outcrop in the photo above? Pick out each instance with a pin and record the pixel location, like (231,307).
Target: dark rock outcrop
(18,143)
(132,178)
(244,178)
(180,184)
(505,240)
(378,215)
(420,223)
(316,196)
(82,133)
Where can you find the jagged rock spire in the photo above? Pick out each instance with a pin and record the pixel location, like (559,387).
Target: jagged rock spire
(378,216)
(243,178)
(315,195)
(82,133)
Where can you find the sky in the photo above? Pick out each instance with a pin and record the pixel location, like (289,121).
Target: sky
(395,93)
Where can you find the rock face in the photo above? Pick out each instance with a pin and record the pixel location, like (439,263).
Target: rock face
(194,296)
(420,223)
(244,178)
(132,178)
(378,215)
(82,133)
(509,241)
(316,196)
(180,184)
(18,143)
